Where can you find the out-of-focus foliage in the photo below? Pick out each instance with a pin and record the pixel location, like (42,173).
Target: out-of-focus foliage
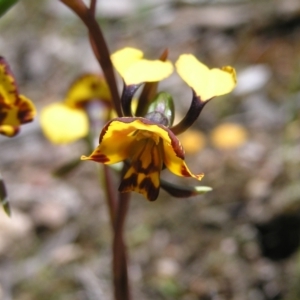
(5,5)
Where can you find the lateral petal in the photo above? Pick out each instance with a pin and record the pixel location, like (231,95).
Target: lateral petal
(85,88)
(147,71)
(124,58)
(134,69)
(207,83)
(62,124)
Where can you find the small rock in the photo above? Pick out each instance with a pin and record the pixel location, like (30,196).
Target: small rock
(252,79)
(14,228)
(66,254)
(50,214)
(167,267)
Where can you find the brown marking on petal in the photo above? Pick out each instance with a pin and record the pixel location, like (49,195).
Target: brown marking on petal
(97,157)
(144,171)
(25,113)
(4,107)
(184,172)
(104,130)
(128,184)
(3,115)
(175,143)
(150,189)
(137,165)
(101,158)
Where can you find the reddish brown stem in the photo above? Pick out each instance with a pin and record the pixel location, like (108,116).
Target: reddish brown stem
(192,115)
(121,285)
(99,46)
(93,6)
(110,195)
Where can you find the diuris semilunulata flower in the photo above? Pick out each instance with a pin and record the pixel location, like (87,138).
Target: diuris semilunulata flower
(149,143)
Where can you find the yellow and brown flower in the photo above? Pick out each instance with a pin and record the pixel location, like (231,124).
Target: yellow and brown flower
(15,109)
(149,146)
(67,121)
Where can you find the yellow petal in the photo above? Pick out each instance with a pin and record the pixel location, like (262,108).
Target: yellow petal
(177,164)
(8,87)
(134,70)
(228,136)
(9,130)
(85,88)
(62,124)
(115,143)
(118,140)
(124,58)
(207,83)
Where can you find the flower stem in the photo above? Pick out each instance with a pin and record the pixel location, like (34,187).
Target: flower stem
(126,98)
(121,285)
(110,195)
(99,47)
(192,115)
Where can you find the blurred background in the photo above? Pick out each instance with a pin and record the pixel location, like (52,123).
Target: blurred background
(238,242)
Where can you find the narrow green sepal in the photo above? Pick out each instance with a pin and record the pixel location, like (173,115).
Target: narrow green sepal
(5,5)
(4,198)
(180,191)
(67,168)
(161,109)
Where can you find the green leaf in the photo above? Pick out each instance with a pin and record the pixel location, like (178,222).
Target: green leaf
(3,197)
(67,168)
(5,5)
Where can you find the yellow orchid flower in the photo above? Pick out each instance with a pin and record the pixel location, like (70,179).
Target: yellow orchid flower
(149,146)
(67,121)
(15,109)
(134,69)
(207,83)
